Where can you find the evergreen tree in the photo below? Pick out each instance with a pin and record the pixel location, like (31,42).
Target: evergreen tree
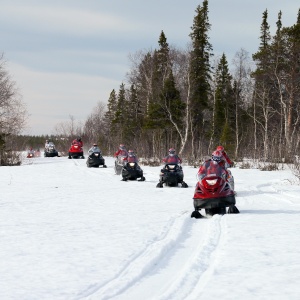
(121,111)
(224,104)
(200,69)
(111,111)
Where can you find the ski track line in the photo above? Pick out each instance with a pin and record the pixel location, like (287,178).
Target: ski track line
(147,257)
(197,271)
(273,194)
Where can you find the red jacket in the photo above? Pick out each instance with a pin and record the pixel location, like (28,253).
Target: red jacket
(172,159)
(212,167)
(227,158)
(121,153)
(80,143)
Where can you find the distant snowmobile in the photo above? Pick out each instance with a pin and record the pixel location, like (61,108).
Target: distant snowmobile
(50,150)
(95,160)
(171,175)
(76,150)
(132,171)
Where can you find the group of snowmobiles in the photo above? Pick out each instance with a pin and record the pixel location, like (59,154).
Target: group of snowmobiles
(214,191)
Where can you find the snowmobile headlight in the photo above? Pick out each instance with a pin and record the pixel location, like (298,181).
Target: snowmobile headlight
(131,164)
(96,154)
(172,166)
(211,181)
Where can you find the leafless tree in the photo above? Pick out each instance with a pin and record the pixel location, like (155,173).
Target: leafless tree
(13,113)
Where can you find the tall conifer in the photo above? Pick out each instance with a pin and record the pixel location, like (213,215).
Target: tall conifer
(200,69)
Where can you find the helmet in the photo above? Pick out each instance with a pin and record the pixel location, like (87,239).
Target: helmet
(130,153)
(216,156)
(172,151)
(122,147)
(220,148)
(47,141)
(78,138)
(95,145)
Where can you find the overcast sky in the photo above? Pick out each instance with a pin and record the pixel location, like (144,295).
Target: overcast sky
(66,56)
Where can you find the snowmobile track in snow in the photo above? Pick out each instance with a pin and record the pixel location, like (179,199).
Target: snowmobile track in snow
(174,242)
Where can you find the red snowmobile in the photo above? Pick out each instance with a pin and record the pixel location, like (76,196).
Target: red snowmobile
(30,153)
(213,192)
(76,150)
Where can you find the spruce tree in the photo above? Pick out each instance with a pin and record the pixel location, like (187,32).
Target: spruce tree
(224,105)
(200,69)
(111,110)
(121,112)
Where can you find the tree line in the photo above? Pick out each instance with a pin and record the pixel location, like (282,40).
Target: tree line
(191,100)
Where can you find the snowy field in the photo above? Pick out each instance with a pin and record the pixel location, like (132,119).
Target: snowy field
(71,232)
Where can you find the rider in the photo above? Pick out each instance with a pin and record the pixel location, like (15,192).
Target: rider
(132,158)
(95,148)
(122,151)
(172,158)
(78,141)
(210,165)
(47,144)
(228,161)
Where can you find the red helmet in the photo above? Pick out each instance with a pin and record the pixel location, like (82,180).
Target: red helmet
(220,148)
(122,147)
(172,151)
(216,156)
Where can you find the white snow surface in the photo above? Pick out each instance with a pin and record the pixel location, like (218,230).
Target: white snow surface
(72,232)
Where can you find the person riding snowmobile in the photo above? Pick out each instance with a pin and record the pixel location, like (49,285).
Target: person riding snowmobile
(172,158)
(78,141)
(95,148)
(121,151)
(132,157)
(228,161)
(217,157)
(46,144)
(131,169)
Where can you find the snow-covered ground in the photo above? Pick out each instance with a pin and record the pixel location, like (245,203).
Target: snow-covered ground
(72,232)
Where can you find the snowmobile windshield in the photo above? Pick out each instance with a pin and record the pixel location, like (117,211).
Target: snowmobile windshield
(95,149)
(132,159)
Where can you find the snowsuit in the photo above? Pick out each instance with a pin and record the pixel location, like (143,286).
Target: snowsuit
(212,167)
(227,159)
(172,159)
(121,153)
(80,143)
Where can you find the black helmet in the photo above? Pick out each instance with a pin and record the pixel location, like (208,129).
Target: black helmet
(79,138)
(95,145)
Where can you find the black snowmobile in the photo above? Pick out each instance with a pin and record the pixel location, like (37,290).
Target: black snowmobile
(95,159)
(50,151)
(171,175)
(132,171)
